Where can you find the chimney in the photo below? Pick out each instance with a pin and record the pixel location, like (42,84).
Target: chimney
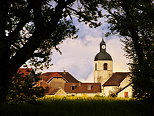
(64,71)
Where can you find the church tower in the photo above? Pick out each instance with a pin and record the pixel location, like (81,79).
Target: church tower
(103,65)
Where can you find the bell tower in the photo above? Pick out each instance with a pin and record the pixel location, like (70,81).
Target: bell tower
(103,65)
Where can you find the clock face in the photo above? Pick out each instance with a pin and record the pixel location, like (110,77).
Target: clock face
(103,46)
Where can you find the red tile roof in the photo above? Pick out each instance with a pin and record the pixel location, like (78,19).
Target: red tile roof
(123,88)
(69,77)
(25,71)
(116,79)
(65,75)
(53,91)
(41,83)
(83,87)
(45,76)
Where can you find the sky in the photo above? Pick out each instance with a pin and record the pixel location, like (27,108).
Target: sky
(78,54)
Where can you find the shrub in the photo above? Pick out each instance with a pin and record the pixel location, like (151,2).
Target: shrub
(22,89)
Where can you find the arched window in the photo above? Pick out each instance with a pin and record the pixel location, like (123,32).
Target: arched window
(105,66)
(95,66)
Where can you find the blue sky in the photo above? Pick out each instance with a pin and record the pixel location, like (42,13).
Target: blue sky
(78,54)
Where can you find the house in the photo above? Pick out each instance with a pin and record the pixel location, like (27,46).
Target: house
(56,81)
(63,83)
(82,89)
(118,84)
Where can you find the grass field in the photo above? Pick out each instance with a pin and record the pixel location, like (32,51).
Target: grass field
(78,106)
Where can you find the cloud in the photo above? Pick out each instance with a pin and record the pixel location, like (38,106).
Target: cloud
(114,47)
(78,56)
(85,30)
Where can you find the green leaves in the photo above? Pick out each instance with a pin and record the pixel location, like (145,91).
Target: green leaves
(28,20)
(30,29)
(132,20)
(22,89)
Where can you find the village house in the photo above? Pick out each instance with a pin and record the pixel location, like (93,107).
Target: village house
(118,84)
(63,83)
(83,89)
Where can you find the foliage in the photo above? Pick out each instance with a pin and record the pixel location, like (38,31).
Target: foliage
(134,20)
(27,20)
(29,29)
(22,89)
(83,106)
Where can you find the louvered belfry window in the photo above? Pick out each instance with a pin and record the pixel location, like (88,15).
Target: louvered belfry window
(105,66)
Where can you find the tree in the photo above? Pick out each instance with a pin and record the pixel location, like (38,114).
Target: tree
(22,89)
(134,20)
(29,29)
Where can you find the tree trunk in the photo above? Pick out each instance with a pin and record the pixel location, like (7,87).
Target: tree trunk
(133,32)
(10,64)
(4,85)
(137,46)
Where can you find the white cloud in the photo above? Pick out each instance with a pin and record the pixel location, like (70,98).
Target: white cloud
(114,47)
(78,56)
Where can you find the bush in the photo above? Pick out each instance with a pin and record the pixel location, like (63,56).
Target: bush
(22,89)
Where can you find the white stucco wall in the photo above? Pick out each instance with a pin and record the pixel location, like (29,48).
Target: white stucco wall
(57,83)
(83,94)
(101,75)
(60,93)
(122,93)
(125,82)
(107,90)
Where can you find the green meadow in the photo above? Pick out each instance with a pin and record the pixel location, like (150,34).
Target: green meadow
(78,106)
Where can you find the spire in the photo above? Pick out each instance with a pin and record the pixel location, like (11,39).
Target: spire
(102,45)
(103,42)
(102,39)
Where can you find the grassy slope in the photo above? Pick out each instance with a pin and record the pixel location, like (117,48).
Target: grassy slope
(78,107)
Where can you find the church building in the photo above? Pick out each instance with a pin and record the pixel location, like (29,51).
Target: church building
(112,83)
(103,65)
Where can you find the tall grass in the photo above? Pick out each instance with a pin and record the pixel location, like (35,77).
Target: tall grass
(78,106)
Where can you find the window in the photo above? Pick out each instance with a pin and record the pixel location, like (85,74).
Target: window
(73,87)
(126,94)
(95,66)
(105,66)
(89,87)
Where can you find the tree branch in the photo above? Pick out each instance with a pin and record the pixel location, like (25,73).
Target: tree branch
(40,54)
(4,7)
(134,34)
(35,40)
(38,19)
(25,18)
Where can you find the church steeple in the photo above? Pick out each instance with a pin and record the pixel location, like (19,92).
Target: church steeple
(103,65)
(102,46)
(102,55)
